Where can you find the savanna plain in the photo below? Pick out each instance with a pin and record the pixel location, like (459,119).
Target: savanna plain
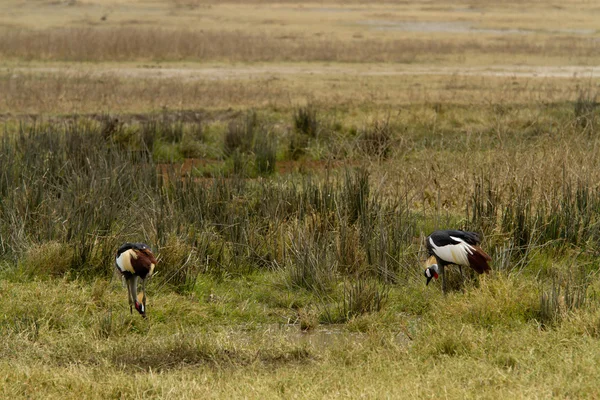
(285,161)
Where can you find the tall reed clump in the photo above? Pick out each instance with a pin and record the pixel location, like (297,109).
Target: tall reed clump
(240,134)
(55,188)
(360,295)
(180,265)
(251,148)
(311,265)
(265,152)
(306,120)
(359,239)
(564,294)
(531,216)
(307,128)
(363,296)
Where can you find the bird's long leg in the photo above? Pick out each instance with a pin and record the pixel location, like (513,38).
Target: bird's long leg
(134,289)
(129,281)
(462,277)
(144,293)
(443,273)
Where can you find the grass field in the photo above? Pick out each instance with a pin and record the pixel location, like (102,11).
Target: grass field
(285,162)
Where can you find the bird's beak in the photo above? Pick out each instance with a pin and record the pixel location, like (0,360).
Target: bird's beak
(428,280)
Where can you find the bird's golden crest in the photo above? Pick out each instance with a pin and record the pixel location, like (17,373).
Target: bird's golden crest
(430,261)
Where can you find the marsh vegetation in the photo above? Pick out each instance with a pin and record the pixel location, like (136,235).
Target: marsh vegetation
(266,229)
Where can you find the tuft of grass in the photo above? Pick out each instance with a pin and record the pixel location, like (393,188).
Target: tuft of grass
(49,259)
(306,121)
(376,140)
(349,253)
(362,296)
(298,145)
(191,148)
(450,345)
(106,326)
(507,361)
(309,320)
(498,301)
(265,151)
(179,265)
(240,134)
(310,265)
(167,153)
(564,295)
(25,326)
(584,109)
(356,196)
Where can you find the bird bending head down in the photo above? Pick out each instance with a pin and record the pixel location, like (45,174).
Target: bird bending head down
(136,262)
(455,247)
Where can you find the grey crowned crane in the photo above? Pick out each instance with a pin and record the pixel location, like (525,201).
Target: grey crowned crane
(454,247)
(135,261)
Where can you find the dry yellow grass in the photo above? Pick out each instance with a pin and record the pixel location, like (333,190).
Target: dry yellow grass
(468,33)
(128,88)
(480,344)
(159,44)
(150,55)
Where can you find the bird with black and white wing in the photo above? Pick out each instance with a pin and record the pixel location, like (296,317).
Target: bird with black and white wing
(462,248)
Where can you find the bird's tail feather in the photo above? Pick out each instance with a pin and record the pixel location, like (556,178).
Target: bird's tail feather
(478,260)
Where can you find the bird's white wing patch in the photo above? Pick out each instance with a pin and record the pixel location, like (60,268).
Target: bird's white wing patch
(467,245)
(124,261)
(453,253)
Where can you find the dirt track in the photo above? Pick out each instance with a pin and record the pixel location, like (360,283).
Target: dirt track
(267,71)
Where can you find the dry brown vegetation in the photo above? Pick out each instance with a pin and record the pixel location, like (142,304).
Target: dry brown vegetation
(529,33)
(151,44)
(129,89)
